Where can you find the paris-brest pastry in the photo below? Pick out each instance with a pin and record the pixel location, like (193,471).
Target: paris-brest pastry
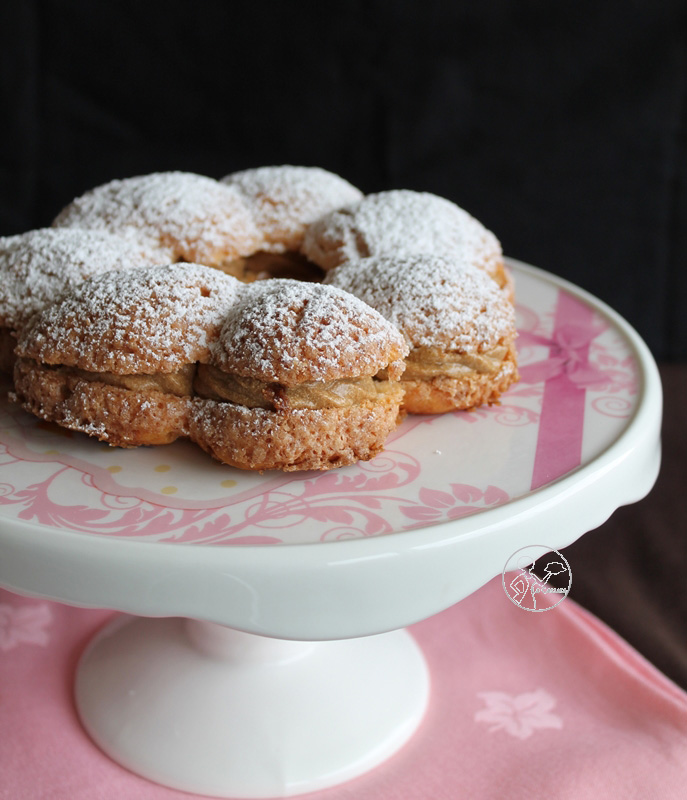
(228,336)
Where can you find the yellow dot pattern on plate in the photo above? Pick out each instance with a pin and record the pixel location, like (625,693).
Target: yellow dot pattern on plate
(114,469)
(228,484)
(169,490)
(51,452)
(162,468)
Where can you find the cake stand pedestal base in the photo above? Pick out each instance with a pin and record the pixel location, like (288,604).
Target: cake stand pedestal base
(206,709)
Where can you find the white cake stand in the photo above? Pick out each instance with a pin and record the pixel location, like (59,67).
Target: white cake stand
(244,673)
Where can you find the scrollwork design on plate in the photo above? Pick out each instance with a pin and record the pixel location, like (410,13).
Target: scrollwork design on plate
(360,501)
(507,414)
(613,406)
(40,502)
(340,534)
(113,502)
(352,514)
(349,504)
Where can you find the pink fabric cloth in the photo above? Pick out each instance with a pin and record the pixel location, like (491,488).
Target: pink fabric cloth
(523,706)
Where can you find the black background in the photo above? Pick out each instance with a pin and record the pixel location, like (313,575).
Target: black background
(560,125)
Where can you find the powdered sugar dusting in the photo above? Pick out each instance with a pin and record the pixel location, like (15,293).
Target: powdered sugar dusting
(401,222)
(286,199)
(292,332)
(151,319)
(42,266)
(193,216)
(433,301)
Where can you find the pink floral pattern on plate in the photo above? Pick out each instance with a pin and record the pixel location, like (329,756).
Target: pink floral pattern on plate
(435,469)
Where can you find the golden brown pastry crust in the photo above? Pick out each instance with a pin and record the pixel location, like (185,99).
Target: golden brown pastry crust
(460,325)
(115,358)
(115,369)
(286,199)
(151,319)
(42,266)
(290,332)
(39,267)
(401,223)
(119,416)
(197,219)
(257,439)
(294,342)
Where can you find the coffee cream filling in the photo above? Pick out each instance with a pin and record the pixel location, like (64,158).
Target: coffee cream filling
(212,384)
(425,363)
(178,383)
